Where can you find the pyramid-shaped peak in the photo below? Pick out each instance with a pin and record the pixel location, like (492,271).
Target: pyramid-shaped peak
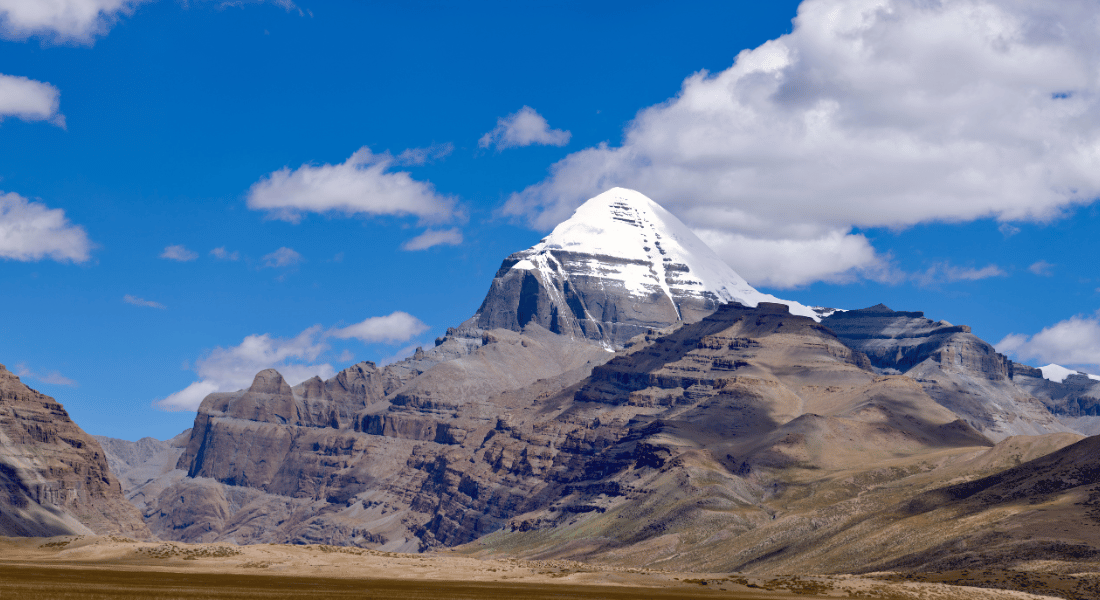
(626,225)
(620,265)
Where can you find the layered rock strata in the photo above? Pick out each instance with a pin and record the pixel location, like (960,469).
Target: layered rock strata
(687,428)
(958,369)
(54,477)
(338,461)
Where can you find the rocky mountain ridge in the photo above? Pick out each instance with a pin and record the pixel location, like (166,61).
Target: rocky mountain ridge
(750,393)
(955,367)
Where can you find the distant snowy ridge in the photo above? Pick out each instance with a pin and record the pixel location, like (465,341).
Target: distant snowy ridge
(650,250)
(1058,373)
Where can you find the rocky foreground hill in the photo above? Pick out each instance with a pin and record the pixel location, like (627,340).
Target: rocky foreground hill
(627,405)
(54,478)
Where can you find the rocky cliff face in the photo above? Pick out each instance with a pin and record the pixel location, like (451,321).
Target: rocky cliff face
(272,463)
(54,478)
(958,369)
(532,432)
(621,265)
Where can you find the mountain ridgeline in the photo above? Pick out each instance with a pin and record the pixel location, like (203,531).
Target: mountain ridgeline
(622,395)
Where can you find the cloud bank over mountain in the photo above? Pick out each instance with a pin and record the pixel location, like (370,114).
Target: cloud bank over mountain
(298,358)
(870,113)
(1074,341)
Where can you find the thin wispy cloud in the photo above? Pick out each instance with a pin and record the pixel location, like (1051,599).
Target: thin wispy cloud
(179,253)
(868,114)
(50,377)
(1042,268)
(283,257)
(945,272)
(431,237)
(525,127)
(31,231)
(30,100)
(222,254)
(128,299)
(364,184)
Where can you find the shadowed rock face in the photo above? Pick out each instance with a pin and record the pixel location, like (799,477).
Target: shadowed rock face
(54,478)
(1075,401)
(955,367)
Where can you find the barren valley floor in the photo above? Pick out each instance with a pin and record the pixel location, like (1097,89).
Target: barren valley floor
(106,568)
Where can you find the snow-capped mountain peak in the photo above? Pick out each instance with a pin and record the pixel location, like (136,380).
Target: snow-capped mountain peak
(620,265)
(1058,373)
(657,252)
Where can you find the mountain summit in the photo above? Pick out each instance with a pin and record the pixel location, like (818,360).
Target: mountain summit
(620,265)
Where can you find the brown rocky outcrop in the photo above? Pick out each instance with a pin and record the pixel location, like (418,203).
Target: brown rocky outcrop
(295,474)
(54,478)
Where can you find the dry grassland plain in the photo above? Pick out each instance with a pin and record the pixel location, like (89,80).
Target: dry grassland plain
(110,568)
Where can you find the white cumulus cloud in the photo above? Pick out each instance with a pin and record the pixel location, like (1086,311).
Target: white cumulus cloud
(870,113)
(395,327)
(434,237)
(60,21)
(31,231)
(30,100)
(129,299)
(1075,341)
(179,253)
(234,368)
(525,127)
(363,184)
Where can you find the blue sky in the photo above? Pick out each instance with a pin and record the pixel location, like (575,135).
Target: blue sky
(192,191)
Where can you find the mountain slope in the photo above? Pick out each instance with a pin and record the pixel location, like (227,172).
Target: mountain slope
(54,477)
(620,265)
